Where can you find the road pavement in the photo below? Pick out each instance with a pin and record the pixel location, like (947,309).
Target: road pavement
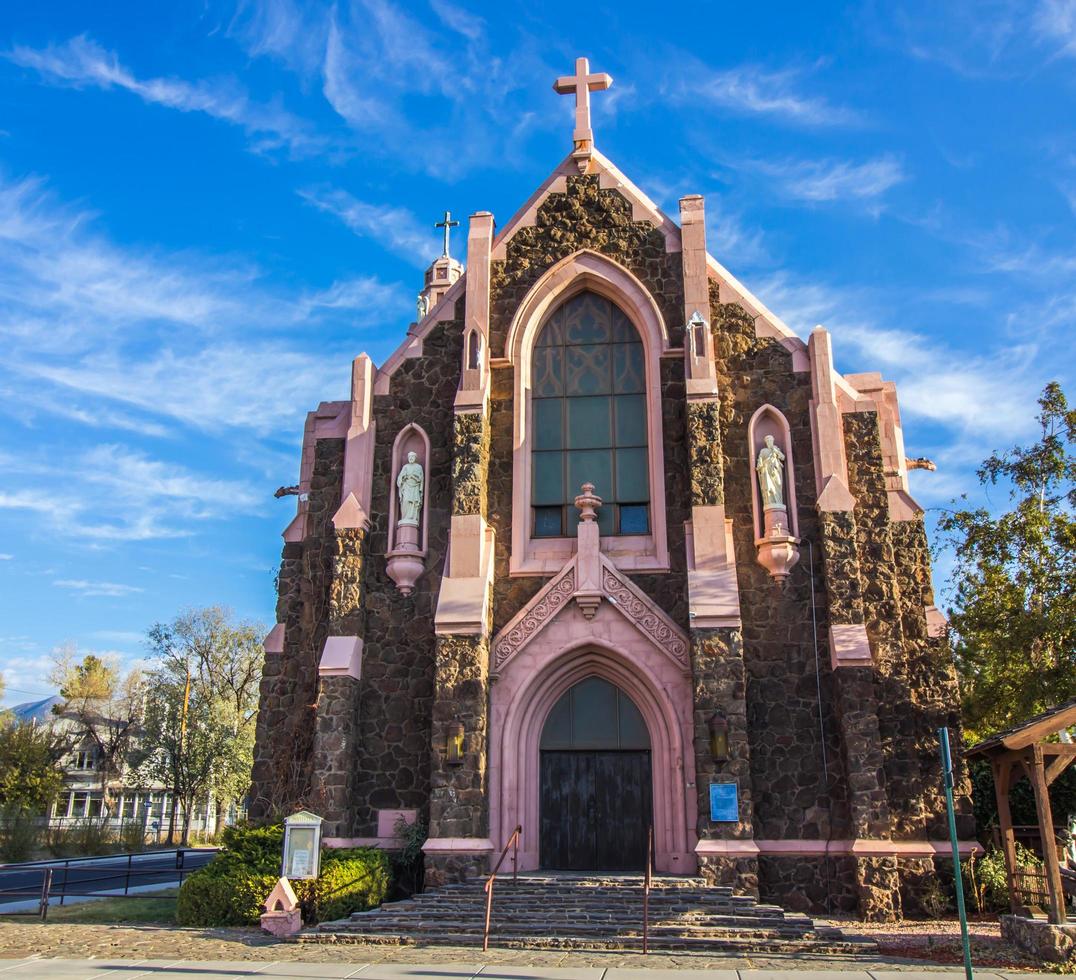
(20,884)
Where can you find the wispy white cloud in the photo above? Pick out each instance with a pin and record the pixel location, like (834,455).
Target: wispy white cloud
(731,240)
(376,62)
(81,62)
(979,397)
(98,321)
(86,588)
(123,495)
(829,180)
(1054,21)
(6,557)
(394,227)
(754,90)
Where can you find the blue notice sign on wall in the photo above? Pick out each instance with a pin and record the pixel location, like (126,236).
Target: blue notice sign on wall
(724,803)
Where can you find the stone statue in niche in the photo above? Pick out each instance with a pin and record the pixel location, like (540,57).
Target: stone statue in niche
(406,559)
(771,474)
(409,486)
(423,305)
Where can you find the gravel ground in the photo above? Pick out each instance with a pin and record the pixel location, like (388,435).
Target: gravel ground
(938,941)
(910,945)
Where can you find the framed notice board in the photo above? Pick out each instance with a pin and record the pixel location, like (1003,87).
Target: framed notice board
(724,803)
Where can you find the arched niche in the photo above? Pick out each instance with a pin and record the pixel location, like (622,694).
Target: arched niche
(768,421)
(411,438)
(473,351)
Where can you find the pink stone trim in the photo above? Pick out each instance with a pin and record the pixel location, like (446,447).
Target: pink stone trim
(464,596)
(358,476)
(444,309)
(474,382)
(849,646)
(385,843)
(570,649)
(387,820)
(274,640)
(767,323)
(341,657)
(699,371)
(827,430)
(585,270)
(937,624)
(458,845)
(727,848)
(902,506)
(713,589)
(865,848)
(618,591)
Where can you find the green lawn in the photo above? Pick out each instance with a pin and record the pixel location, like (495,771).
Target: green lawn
(155,908)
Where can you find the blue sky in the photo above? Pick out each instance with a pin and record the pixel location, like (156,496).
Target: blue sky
(206,210)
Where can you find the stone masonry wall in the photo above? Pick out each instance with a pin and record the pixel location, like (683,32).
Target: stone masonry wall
(796,775)
(392,758)
(284,737)
(587,217)
(915,676)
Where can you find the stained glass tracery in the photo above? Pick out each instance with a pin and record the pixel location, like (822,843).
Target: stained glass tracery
(588,398)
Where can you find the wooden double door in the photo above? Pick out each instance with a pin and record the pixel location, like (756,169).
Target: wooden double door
(595,809)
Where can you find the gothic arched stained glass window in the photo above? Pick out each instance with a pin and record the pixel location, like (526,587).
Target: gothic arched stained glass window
(589,403)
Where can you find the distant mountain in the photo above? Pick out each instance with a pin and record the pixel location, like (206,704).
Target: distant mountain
(38,711)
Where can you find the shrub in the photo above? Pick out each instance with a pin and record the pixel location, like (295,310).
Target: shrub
(231,889)
(987,880)
(83,838)
(351,880)
(231,899)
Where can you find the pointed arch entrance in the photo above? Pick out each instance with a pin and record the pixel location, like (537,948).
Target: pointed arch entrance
(595,798)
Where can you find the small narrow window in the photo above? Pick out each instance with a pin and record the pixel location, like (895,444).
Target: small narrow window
(474,350)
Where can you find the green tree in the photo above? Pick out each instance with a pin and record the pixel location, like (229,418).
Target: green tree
(1014,621)
(106,705)
(30,772)
(223,661)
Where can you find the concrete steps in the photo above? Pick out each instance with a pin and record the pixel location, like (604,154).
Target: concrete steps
(593,912)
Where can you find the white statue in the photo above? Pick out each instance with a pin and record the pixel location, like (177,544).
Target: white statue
(409,484)
(771,474)
(423,304)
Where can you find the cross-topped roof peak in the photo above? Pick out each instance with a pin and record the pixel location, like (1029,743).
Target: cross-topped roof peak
(448,224)
(582,83)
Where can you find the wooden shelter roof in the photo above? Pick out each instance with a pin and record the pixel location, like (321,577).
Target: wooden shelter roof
(1027,733)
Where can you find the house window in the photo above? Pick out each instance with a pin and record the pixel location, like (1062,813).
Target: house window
(589,404)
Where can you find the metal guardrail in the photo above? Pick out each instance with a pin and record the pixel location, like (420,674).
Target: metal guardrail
(647,879)
(49,873)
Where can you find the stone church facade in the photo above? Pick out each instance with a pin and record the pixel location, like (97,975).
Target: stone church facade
(487,643)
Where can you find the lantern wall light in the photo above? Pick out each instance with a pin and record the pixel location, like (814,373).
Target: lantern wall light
(719,737)
(454,748)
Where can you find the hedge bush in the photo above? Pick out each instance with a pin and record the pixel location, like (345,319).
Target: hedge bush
(231,889)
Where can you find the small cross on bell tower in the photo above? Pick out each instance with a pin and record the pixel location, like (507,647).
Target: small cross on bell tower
(582,83)
(441,274)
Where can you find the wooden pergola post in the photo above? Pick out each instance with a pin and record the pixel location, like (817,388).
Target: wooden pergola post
(1002,769)
(1024,750)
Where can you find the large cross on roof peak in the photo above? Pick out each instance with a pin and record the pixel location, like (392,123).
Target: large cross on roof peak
(582,83)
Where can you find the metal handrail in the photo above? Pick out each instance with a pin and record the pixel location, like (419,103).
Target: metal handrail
(646,887)
(512,842)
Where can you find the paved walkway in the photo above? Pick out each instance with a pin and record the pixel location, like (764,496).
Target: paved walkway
(122,969)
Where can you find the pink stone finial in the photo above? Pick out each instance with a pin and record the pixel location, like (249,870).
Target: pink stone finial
(588,503)
(582,83)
